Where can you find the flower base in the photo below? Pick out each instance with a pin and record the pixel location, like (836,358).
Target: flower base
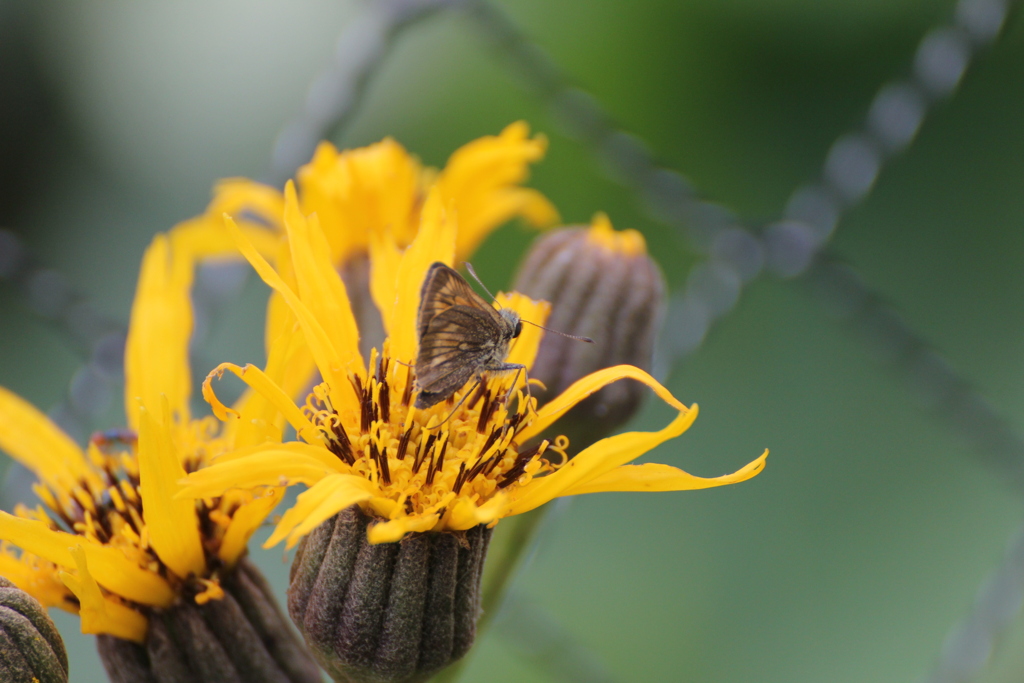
(392,612)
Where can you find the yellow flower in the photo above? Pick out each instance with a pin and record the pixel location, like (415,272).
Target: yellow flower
(374,195)
(449,467)
(381,188)
(111,540)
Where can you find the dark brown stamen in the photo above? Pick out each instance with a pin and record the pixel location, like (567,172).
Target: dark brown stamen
(460,478)
(438,462)
(384,401)
(366,411)
(486,412)
(426,449)
(491,439)
(516,471)
(382,462)
(340,444)
(403,444)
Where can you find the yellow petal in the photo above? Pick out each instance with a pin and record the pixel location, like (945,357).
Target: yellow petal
(204,238)
(156,351)
(172,523)
(658,477)
(434,242)
(300,371)
(359,192)
(466,514)
(596,460)
(327,497)
(265,387)
(586,386)
(240,195)
(482,180)
(524,348)
(38,580)
(99,614)
(395,529)
(320,285)
(244,523)
(32,439)
(331,364)
(112,569)
(259,418)
(385,259)
(262,465)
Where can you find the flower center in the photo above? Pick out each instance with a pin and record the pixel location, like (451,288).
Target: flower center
(106,506)
(423,459)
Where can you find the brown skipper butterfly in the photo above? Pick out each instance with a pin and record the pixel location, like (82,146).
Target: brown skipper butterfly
(461,335)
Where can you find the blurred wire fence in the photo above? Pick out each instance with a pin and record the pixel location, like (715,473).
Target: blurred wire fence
(733,255)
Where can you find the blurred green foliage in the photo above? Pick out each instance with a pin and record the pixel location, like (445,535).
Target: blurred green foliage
(854,553)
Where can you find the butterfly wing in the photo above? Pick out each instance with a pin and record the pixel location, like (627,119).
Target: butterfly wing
(460,334)
(460,342)
(444,288)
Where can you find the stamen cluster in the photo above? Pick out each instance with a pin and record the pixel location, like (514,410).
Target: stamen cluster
(424,459)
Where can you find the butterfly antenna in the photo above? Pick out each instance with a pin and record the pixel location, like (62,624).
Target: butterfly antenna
(469,267)
(564,334)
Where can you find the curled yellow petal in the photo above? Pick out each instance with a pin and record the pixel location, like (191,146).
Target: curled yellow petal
(266,388)
(203,238)
(586,386)
(260,417)
(32,439)
(98,613)
(172,523)
(237,195)
(596,460)
(658,477)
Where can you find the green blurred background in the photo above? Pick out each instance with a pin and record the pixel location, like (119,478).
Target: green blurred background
(866,538)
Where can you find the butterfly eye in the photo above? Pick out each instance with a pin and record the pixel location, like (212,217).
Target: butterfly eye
(519,329)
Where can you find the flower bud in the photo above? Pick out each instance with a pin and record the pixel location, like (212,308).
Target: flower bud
(601,284)
(243,637)
(31,650)
(388,613)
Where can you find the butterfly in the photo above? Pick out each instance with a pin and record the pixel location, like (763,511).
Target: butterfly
(461,336)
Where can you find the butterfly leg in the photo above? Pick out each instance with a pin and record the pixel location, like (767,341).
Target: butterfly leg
(479,379)
(509,367)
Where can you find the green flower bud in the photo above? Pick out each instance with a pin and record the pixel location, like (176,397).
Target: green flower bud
(31,650)
(601,284)
(387,613)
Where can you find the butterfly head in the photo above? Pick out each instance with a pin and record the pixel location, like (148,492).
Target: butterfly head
(513,326)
